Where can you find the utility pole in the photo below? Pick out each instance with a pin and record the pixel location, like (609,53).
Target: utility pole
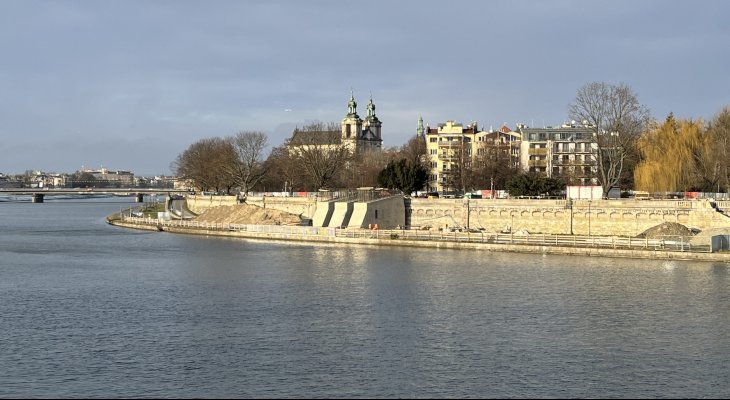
(467,215)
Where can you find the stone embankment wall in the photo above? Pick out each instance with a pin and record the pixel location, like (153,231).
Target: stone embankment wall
(198,204)
(327,236)
(627,217)
(295,205)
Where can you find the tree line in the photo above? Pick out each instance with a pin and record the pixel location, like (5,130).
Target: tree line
(236,164)
(630,150)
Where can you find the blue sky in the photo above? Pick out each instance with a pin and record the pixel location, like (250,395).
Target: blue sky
(129,84)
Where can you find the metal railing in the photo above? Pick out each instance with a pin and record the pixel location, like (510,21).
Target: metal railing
(666,243)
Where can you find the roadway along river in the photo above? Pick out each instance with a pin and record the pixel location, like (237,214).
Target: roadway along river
(92,310)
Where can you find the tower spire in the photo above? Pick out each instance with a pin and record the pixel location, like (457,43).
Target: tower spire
(371,108)
(352,106)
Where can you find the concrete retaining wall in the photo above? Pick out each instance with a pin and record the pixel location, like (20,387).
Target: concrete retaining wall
(327,236)
(582,217)
(388,213)
(199,203)
(341,214)
(323,214)
(303,206)
(295,205)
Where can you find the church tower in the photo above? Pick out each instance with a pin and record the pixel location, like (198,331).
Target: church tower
(420,131)
(372,123)
(351,124)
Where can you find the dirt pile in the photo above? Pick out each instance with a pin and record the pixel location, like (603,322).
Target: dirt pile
(666,229)
(248,214)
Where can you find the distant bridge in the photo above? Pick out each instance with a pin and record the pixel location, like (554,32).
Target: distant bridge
(37,194)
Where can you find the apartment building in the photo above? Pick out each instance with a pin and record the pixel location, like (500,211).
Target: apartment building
(501,144)
(454,148)
(451,149)
(565,151)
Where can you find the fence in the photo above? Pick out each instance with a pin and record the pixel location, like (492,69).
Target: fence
(666,243)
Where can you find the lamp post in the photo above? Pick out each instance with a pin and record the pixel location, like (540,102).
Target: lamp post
(468,211)
(589,218)
(569,206)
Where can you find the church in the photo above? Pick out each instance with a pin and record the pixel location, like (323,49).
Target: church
(357,135)
(361,135)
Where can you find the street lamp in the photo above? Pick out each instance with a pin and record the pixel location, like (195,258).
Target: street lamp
(468,211)
(569,206)
(589,218)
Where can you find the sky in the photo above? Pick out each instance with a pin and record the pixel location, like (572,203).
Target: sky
(129,84)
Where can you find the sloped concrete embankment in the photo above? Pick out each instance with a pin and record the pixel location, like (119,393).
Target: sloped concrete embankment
(384,238)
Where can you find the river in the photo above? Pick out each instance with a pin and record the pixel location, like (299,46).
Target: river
(92,310)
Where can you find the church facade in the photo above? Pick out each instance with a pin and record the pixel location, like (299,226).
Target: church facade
(357,135)
(361,135)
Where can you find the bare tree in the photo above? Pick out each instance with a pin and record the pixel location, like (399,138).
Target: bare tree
(283,170)
(415,151)
(494,165)
(249,168)
(363,168)
(461,175)
(207,163)
(719,131)
(618,119)
(320,153)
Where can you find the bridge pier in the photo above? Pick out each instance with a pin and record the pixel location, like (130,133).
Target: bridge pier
(37,197)
(139,198)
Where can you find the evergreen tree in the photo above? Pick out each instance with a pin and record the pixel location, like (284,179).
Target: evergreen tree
(404,175)
(534,184)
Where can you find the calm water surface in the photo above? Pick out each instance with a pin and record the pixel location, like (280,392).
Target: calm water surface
(91,310)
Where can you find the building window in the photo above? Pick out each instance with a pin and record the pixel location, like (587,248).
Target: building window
(433,140)
(434,152)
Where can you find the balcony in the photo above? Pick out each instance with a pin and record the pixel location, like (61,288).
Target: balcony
(454,143)
(537,152)
(575,163)
(537,163)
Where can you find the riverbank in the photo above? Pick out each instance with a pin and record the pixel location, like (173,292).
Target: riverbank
(595,246)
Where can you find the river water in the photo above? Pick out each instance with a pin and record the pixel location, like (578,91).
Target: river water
(92,310)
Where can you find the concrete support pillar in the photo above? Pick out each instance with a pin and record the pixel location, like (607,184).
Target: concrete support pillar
(139,198)
(37,197)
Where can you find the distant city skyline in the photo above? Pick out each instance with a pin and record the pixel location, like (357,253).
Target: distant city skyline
(130,85)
